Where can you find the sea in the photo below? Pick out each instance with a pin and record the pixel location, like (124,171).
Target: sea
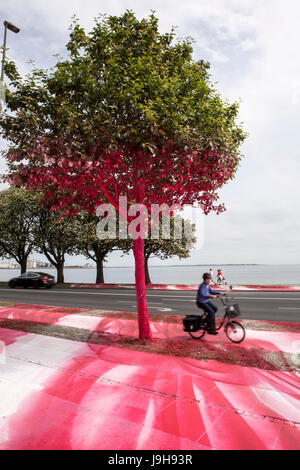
(261,274)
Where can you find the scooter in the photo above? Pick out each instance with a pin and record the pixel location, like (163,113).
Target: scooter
(197,325)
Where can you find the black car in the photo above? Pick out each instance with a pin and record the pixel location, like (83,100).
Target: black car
(32,279)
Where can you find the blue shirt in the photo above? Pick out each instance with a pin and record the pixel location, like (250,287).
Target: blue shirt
(204,292)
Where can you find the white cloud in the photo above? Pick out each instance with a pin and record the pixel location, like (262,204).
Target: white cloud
(247,45)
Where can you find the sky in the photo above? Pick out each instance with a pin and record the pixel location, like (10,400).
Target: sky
(253,49)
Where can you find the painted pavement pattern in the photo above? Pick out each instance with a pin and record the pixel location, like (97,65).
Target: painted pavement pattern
(62,394)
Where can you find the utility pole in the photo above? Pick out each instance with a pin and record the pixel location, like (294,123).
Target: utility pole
(14,29)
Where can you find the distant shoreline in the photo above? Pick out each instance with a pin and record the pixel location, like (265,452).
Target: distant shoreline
(223,265)
(152,266)
(132,266)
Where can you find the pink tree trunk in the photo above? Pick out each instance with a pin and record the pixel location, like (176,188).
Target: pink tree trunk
(140,284)
(139,258)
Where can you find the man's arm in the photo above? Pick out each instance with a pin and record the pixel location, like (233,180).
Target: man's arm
(214,293)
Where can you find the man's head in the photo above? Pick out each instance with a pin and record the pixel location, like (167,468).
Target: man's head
(206,278)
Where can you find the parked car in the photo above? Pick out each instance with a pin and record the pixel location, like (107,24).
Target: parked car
(32,279)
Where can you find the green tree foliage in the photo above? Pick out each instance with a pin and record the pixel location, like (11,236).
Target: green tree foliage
(167,245)
(26,226)
(89,244)
(124,87)
(17,219)
(55,237)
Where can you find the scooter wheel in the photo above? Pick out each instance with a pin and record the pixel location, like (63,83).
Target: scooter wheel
(197,334)
(235,332)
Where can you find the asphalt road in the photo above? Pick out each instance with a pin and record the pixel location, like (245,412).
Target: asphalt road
(271,306)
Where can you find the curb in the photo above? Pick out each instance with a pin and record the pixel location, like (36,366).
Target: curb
(44,310)
(192,287)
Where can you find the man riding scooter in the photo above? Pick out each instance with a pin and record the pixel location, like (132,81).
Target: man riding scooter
(204,294)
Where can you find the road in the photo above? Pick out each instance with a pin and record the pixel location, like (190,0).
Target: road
(271,306)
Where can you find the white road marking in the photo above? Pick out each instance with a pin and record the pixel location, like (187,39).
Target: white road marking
(288,308)
(162,309)
(266,298)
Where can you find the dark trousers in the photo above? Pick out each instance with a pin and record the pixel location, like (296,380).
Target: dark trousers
(211,309)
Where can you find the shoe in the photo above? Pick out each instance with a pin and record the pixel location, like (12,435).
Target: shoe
(213,332)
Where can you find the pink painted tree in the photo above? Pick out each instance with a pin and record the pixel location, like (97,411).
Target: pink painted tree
(128,114)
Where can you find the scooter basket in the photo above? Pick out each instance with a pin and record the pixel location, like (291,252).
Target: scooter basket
(233,310)
(191,323)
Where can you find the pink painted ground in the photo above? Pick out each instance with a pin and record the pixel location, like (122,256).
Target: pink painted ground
(62,394)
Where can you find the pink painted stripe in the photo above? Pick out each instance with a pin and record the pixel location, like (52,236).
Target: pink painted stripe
(269,340)
(192,287)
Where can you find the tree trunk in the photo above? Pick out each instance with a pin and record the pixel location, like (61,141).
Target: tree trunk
(60,272)
(99,267)
(23,264)
(147,275)
(143,319)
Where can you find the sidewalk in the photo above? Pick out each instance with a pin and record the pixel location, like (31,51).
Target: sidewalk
(78,379)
